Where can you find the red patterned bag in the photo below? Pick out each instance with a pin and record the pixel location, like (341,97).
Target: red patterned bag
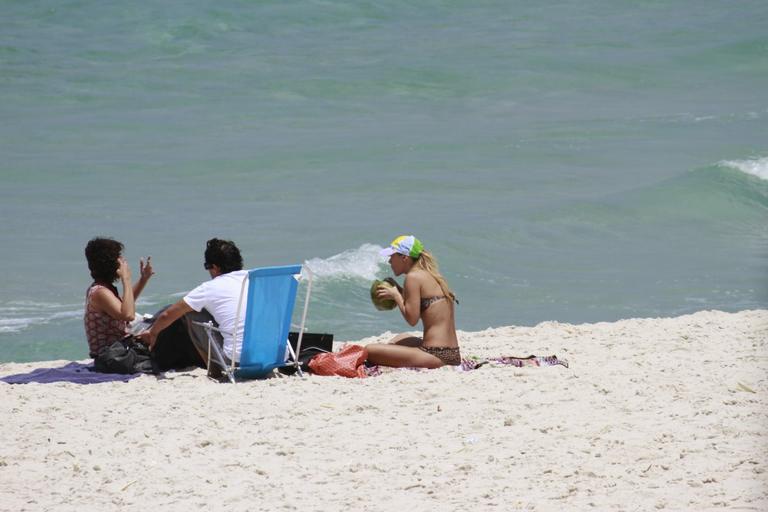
(344,363)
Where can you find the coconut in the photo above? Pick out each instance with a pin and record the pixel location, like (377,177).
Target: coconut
(380,303)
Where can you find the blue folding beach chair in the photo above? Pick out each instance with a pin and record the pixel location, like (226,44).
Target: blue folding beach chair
(268,312)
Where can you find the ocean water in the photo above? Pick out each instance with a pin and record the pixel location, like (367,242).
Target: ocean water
(564,161)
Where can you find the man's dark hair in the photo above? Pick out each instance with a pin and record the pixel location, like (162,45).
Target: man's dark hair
(102,255)
(223,253)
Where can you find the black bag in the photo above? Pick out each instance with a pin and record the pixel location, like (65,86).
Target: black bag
(312,344)
(310,340)
(128,355)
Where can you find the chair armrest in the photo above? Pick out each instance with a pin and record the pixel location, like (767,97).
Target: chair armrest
(209,325)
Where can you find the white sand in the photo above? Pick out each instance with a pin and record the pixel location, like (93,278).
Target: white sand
(666,414)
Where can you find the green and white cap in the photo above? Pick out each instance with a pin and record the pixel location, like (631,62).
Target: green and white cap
(408,245)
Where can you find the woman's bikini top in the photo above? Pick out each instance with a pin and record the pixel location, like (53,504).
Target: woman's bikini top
(428,301)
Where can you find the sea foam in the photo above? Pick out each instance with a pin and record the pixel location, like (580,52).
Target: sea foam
(18,316)
(365,262)
(756,167)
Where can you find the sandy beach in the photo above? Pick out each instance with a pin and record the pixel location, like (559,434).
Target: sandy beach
(652,414)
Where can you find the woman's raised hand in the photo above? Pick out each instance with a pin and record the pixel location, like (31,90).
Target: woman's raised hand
(145,269)
(123,270)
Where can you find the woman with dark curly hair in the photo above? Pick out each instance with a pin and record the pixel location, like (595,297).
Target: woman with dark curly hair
(106,313)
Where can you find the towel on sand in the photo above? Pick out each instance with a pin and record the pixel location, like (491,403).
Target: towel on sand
(473,363)
(76,373)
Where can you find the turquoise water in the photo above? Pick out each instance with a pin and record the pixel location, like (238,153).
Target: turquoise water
(572,162)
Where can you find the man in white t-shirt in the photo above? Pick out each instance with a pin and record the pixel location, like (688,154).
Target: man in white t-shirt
(219,297)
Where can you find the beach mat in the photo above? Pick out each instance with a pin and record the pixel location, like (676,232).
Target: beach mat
(474,363)
(75,373)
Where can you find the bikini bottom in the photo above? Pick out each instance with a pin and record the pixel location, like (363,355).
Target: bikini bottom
(448,355)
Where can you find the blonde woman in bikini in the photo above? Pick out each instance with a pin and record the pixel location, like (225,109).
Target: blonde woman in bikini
(424,296)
